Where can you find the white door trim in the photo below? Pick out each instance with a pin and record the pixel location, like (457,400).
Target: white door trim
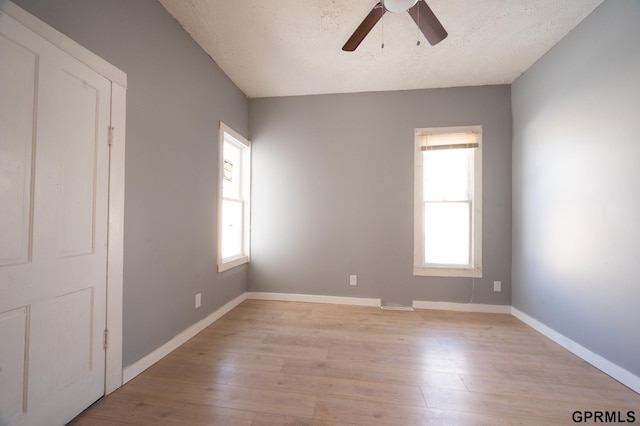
(55,37)
(115,239)
(113,367)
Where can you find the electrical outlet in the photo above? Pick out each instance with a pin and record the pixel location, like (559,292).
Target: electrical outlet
(353,280)
(198,300)
(497,286)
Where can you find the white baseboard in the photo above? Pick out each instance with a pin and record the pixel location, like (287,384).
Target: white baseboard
(620,374)
(462,307)
(310,298)
(139,366)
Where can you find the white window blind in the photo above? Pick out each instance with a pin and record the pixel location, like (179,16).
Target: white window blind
(436,141)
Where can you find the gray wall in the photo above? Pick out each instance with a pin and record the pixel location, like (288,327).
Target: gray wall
(576,185)
(333,192)
(176,95)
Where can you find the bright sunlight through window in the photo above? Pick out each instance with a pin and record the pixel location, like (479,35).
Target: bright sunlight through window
(234,199)
(448,202)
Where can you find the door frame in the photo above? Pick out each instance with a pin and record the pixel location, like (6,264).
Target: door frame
(115,232)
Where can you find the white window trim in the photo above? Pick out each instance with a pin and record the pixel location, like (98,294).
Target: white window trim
(245,257)
(419,268)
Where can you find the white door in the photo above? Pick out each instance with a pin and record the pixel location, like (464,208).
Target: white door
(54,165)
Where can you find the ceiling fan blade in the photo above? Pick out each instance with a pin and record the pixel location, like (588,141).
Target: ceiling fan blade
(363,29)
(428,23)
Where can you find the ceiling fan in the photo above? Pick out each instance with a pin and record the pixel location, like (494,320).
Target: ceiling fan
(419,11)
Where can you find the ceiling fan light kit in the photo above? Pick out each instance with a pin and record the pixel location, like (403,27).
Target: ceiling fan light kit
(421,13)
(398,6)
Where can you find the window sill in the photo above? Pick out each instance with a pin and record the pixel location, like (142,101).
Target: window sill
(232,263)
(423,271)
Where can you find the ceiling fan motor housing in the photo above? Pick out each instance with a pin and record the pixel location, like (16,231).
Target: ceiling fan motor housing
(398,6)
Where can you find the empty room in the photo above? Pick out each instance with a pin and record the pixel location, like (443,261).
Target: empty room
(319,212)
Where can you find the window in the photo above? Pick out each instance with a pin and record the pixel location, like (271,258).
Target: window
(234,199)
(448,202)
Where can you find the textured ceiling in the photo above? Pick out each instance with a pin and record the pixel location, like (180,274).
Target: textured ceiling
(293,47)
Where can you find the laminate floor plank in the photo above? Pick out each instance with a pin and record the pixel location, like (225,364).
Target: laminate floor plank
(427,361)
(277,420)
(191,373)
(226,396)
(541,410)
(401,394)
(289,363)
(374,414)
(216,359)
(142,409)
(618,399)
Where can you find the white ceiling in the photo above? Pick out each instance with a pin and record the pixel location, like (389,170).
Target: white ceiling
(294,47)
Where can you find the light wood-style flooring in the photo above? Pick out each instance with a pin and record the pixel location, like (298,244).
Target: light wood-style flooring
(287,363)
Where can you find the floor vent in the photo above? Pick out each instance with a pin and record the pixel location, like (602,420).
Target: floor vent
(395,307)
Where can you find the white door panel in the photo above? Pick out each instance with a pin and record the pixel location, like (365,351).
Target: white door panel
(77,164)
(13,328)
(16,132)
(54,159)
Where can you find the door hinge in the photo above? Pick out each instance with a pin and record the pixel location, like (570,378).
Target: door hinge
(110,139)
(106,339)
